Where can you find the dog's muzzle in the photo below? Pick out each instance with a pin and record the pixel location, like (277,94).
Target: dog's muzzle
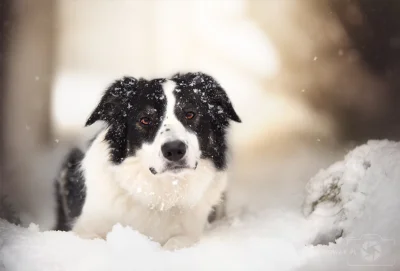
(174,153)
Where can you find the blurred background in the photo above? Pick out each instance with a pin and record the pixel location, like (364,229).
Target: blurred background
(309,78)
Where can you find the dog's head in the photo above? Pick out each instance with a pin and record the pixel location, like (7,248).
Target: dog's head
(168,124)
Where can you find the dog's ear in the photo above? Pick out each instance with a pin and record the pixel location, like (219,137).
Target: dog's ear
(114,103)
(218,95)
(225,103)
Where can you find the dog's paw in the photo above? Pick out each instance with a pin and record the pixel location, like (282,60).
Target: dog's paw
(88,235)
(179,242)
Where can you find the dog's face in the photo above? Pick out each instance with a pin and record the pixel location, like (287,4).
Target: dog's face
(168,124)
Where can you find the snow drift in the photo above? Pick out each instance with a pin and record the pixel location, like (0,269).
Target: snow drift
(354,201)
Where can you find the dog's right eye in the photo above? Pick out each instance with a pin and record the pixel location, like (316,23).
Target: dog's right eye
(145,121)
(189,115)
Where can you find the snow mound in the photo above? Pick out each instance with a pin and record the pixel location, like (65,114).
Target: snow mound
(356,199)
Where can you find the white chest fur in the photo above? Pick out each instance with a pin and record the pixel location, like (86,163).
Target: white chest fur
(162,208)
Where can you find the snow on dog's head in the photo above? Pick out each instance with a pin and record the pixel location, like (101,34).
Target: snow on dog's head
(165,130)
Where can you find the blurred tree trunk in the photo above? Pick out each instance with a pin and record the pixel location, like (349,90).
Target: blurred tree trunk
(26,81)
(5,209)
(4,11)
(29,62)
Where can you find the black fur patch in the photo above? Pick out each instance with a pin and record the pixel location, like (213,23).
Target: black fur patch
(71,190)
(122,106)
(201,94)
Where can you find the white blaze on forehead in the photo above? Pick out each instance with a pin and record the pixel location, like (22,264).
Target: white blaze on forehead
(169,87)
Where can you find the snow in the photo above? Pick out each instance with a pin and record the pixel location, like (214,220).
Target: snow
(358,195)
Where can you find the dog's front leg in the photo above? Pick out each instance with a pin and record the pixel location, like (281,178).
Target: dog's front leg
(179,242)
(192,224)
(91,228)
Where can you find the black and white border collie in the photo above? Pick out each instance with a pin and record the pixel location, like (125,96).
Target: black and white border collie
(158,166)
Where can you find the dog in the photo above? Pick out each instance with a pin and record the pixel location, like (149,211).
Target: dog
(159,165)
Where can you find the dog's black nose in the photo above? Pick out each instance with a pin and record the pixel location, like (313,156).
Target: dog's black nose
(174,150)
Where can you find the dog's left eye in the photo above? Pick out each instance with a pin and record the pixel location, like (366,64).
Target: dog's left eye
(145,121)
(189,115)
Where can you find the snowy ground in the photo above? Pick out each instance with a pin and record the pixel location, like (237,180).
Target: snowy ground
(358,196)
